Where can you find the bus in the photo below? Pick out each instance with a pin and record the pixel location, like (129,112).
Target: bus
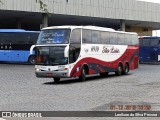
(78,51)
(149,48)
(15,45)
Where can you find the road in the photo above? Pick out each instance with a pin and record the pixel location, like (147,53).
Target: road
(21,91)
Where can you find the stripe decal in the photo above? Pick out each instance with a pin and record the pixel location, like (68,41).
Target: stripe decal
(98,66)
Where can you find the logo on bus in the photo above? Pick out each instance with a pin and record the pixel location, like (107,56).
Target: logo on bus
(94,48)
(108,49)
(86,50)
(6,47)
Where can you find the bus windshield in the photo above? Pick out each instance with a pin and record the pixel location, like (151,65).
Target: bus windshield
(54,36)
(51,55)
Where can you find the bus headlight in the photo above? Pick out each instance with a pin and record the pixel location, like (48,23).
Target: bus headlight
(63,69)
(36,69)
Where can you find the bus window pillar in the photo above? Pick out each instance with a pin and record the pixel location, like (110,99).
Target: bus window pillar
(44,20)
(122,25)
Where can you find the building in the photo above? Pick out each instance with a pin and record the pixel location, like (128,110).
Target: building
(127,15)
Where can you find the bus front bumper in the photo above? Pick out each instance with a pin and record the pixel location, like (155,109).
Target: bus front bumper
(51,74)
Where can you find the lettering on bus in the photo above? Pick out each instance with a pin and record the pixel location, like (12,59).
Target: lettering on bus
(94,48)
(53,37)
(86,50)
(110,49)
(6,47)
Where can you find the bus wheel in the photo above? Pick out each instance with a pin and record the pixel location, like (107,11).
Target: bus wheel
(126,69)
(56,80)
(104,74)
(32,59)
(120,69)
(82,77)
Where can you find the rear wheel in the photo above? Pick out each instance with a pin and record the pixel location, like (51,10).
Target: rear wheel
(119,70)
(126,69)
(56,80)
(32,59)
(82,77)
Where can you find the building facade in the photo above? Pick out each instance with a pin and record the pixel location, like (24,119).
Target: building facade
(127,15)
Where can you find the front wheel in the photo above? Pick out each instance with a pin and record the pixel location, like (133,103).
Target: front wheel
(119,70)
(32,59)
(82,77)
(56,80)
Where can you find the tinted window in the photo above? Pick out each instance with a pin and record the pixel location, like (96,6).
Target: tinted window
(127,39)
(140,41)
(54,36)
(18,38)
(155,42)
(51,55)
(113,38)
(76,36)
(105,37)
(146,41)
(86,36)
(74,51)
(96,37)
(134,39)
(120,38)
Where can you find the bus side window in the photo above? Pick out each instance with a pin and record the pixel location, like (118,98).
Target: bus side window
(154,42)
(75,44)
(86,36)
(76,36)
(146,42)
(134,39)
(120,38)
(113,38)
(105,37)
(96,37)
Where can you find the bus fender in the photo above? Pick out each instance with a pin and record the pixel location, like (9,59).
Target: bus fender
(87,67)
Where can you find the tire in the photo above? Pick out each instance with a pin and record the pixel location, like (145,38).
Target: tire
(119,70)
(56,80)
(126,69)
(104,74)
(32,59)
(82,77)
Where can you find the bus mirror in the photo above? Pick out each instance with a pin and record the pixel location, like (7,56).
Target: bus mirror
(32,49)
(66,51)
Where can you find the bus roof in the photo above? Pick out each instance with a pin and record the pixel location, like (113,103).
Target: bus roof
(86,27)
(15,30)
(141,37)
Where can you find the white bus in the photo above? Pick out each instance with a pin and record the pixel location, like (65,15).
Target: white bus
(77,51)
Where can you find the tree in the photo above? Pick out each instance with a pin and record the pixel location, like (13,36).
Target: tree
(43,6)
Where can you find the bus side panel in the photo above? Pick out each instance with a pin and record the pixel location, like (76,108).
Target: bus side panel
(19,56)
(154,53)
(4,55)
(144,54)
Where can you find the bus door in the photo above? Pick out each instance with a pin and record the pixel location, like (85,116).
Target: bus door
(75,46)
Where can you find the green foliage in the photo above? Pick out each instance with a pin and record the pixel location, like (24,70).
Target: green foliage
(1,2)
(43,6)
